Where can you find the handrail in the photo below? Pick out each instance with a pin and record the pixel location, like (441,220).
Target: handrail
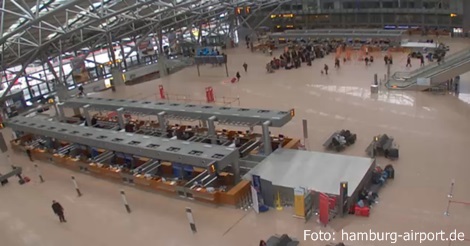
(433,73)
(450,58)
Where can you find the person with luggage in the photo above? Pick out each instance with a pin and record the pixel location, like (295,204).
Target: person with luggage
(245,66)
(59,211)
(326,69)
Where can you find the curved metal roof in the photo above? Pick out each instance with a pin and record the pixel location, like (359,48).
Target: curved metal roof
(31,29)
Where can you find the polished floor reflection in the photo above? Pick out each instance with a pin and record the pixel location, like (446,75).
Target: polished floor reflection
(432,131)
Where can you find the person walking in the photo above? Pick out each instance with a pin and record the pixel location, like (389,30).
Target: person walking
(326,69)
(245,66)
(422,61)
(337,65)
(408,61)
(59,211)
(29,153)
(238,76)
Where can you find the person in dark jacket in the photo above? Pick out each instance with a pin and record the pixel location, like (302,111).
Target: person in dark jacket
(58,210)
(29,153)
(238,76)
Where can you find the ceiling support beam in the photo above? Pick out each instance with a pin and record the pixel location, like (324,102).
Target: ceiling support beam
(19,74)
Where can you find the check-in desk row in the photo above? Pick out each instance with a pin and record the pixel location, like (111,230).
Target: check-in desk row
(195,133)
(230,195)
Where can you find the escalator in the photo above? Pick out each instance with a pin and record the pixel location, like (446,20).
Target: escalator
(432,75)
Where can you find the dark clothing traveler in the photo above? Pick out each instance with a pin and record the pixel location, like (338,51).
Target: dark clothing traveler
(326,69)
(245,66)
(58,210)
(238,76)
(30,155)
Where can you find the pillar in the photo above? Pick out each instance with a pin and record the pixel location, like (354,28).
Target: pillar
(76,111)
(267,138)
(118,77)
(162,64)
(120,116)
(62,92)
(86,114)
(161,121)
(211,129)
(236,171)
(61,113)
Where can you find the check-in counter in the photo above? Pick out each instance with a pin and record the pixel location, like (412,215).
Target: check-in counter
(174,187)
(72,163)
(290,143)
(203,195)
(166,186)
(234,195)
(58,159)
(40,155)
(141,180)
(16,146)
(112,173)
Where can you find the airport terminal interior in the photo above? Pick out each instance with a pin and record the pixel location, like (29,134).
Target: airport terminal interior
(238,122)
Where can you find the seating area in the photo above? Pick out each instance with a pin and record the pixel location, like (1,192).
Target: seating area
(383,145)
(370,194)
(339,140)
(282,240)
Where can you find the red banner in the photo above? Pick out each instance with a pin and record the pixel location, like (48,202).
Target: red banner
(210,95)
(324,209)
(162,92)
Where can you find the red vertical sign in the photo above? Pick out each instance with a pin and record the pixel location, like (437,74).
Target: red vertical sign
(324,209)
(210,94)
(162,92)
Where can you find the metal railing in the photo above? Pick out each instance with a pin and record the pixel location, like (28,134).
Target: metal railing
(430,73)
(454,58)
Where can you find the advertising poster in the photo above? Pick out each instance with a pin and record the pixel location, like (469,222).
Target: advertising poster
(79,71)
(324,209)
(257,183)
(254,197)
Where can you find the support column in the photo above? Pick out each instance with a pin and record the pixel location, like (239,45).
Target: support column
(118,77)
(267,138)
(86,114)
(211,129)
(161,121)
(61,88)
(236,171)
(61,113)
(120,116)
(162,65)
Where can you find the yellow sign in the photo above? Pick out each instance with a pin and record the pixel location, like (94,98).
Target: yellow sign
(292,112)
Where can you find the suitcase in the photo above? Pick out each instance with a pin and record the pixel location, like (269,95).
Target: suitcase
(364,211)
(26,179)
(233,80)
(393,153)
(21,182)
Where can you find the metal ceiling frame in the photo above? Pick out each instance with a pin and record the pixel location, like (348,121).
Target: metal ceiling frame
(27,43)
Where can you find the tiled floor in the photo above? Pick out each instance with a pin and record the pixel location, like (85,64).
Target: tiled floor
(432,132)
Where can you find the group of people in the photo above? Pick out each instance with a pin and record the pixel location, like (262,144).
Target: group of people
(408,61)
